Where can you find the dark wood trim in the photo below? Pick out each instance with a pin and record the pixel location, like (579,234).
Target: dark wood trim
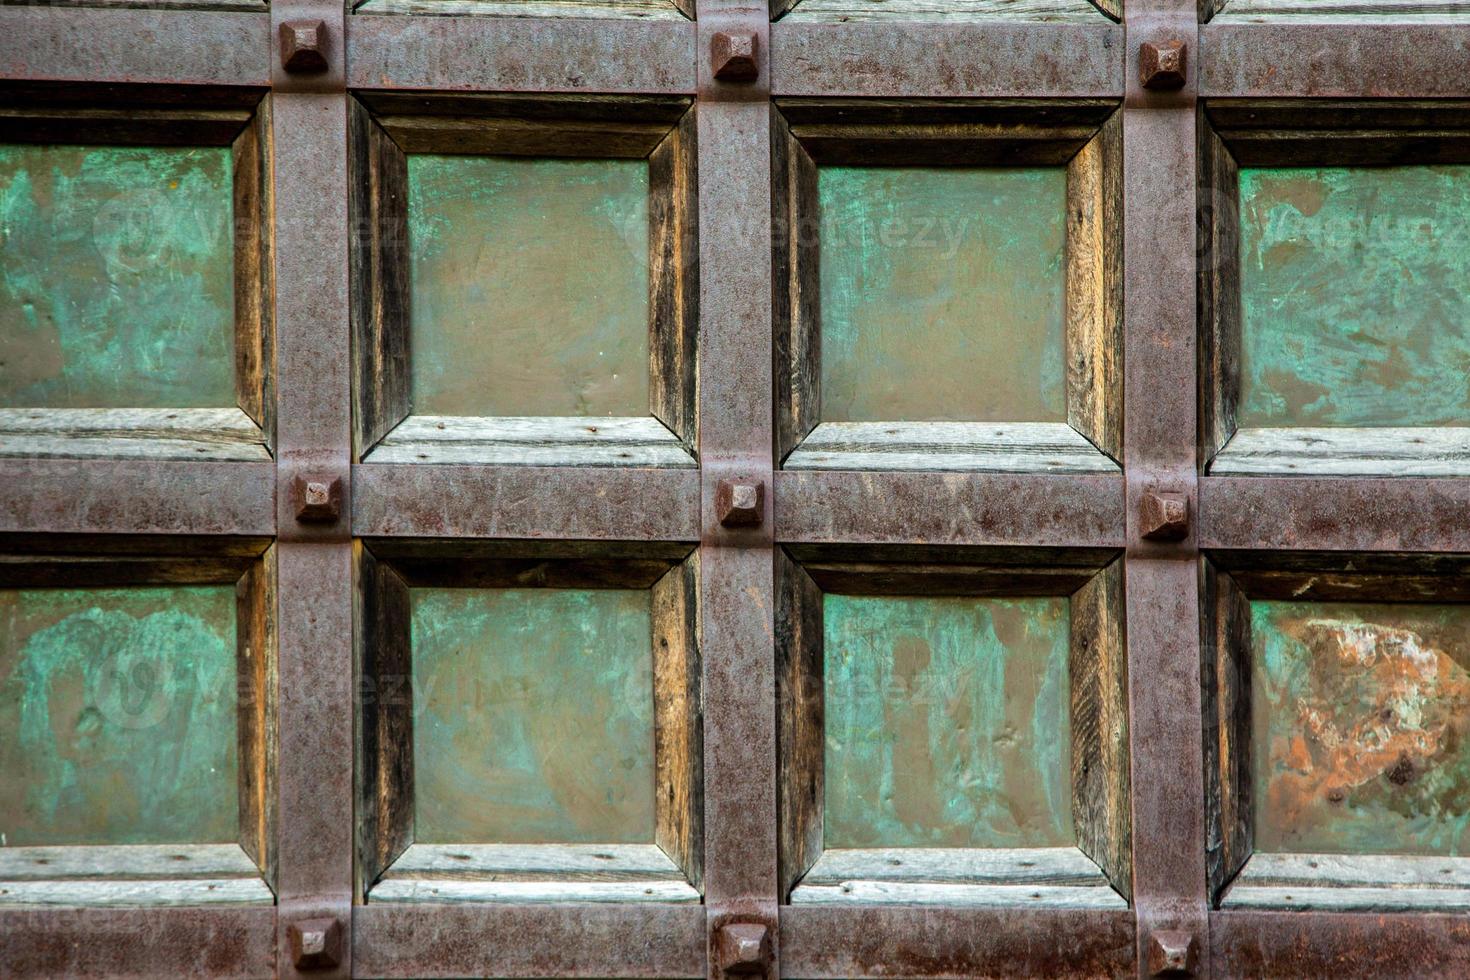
(257,697)
(1218,283)
(1225,696)
(800,711)
(679,719)
(796,298)
(673,280)
(255,301)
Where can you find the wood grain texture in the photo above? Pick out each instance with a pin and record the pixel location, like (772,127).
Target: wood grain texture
(957,865)
(1094,289)
(255,618)
(1098,667)
(943,142)
(1360,714)
(800,707)
(117,282)
(254,212)
(1356,451)
(510,136)
(126,861)
(1340,882)
(94,116)
(385,719)
(673,280)
(678,719)
(543,441)
(378,207)
(1225,678)
(134,892)
(845,11)
(1269,10)
(536,862)
(635,9)
(118,715)
(795,314)
(1005,447)
(1218,284)
(533,892)
(137,433)
(959,895)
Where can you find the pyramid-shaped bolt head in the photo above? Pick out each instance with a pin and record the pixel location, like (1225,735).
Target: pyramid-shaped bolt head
(732,55)
(740,503)
(743,948)
(1163,516)
(318,500)
(304,45)
(1172,953)
(1161,64)
(316,944)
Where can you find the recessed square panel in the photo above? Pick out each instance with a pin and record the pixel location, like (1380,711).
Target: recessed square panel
(947,722)
(530,286)
(118,716)
(533,716)
(1361,713)
(942,294)
(116,277)
(1355,296)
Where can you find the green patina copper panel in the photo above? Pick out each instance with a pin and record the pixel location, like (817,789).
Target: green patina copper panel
(1361,713)
(942,294)
(947,722)
(529,286)
(533,716)
(1355,296)
(116,277)
(117,716)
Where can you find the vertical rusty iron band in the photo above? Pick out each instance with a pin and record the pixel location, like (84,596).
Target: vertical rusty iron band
(314,748)
(736,592)
(1162,577)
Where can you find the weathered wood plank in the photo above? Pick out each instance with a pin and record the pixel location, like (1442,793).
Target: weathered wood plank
(957,865)
(1218,283)
(636,9)
(510,136)
(673,279)
(959,896)
(946,722)
(542,441)
(795,319)
(1356,451)
(800,790)
(531,892)
(678,719)
(1355,870)
(126,861)
(535,862)
(257,697)
(93,893)
(1225,684)
(1031,447)
(254,213)
(1398,10)
(1336,899)
(844,11)
(135,433)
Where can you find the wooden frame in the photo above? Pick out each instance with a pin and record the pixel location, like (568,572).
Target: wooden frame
(386,127)
(125,116)
(1236,133)
(1065,877)
(1240,878)
(243,873)
(391,867)
(658,10)
(845,11)
(1085,136)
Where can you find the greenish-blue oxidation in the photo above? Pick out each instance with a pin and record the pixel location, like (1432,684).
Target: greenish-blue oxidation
(533,716)
(529,283)
(1355,296)
(942,294)
(1361,715)
(116,277)
(118,716)
(947,722)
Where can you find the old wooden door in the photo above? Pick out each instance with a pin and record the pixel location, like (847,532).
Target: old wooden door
(657,488)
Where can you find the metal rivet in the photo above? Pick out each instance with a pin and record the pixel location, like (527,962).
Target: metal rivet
(732,55)
(1161,64)
(743,948)
(304,45)
(740,503)
(1172,953)
(316,944)
(1163,516)
(318,501)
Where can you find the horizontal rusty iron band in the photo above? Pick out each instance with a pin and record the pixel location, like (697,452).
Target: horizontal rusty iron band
(1341,59)
(141,943)
(1334,514)
(180,47)
(524,54)
(1342,945)
(410,500)
(938,60)
(950,508)
(528,941)
(820,943)
(106,496)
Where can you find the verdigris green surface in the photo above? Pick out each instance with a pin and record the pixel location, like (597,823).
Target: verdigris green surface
(529,286)
(947,722)
(116,277)
(942,294)
(1355,296)
(533,716)
(1361,714)
(117,716)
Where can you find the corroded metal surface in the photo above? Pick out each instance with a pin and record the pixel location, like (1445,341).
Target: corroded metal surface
(1351,946)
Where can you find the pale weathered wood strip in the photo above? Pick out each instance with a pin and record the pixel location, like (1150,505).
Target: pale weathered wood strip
(131,433)
(1395,9)
(948,10)
(959,896)
(535,862)
(678,729)
(539,441)
(93,893)
(530,892)
(636,9)
(1355,870)
(1029,447)
(147,861)
(1337,899)
(1393,451)
(953,865)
